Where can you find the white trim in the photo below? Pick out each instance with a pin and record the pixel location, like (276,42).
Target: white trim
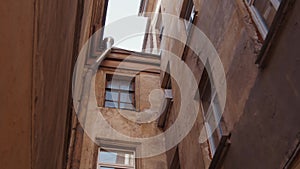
(189,23)
(275,3)
(168,94)
(212,112)
(113,165)
(211,144)
(127,146)
(259,21)
(262,27)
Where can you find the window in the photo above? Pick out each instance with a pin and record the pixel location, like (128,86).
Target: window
(168,101)
(263,13)
(213,128)
(175,162)
(97,22)
(188,13)
(143,7)
(211,110)
(159,26)
(119,92)
(115,158)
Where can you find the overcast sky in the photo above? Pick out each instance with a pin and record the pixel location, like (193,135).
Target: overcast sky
(119,28)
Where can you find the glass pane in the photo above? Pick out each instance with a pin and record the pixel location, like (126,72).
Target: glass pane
(128,106)
(108,157)
(210,138)
(108,84)
(217,108)
(126,97)
(111,104)
(189,9)
(120,84)
(112,96)
(106,168)
(125,85)
(113,84)
(210,118)
(116,157)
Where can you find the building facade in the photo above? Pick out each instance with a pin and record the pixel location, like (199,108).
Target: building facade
(50,120)
(244,35)
(247,36)
(128,97)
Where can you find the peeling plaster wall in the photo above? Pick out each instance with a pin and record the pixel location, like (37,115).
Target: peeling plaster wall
(269,129)
(228,26)
(86,154)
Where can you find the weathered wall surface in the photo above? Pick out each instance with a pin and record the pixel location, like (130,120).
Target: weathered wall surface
(123,121)
(269,126)
(16,43)
(55,28)
(190,155)
(37,50)
(228,26)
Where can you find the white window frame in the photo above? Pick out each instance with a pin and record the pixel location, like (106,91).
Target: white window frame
(189,23)
(118,102)
(117,166)
(212,112)
(276,4)
(258,19)
(189,20)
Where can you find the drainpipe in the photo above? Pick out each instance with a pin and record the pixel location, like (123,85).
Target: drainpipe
(85,94)
(82,109)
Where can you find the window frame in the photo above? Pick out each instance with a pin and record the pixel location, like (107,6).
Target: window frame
(218,131)
(175,164)
(159,27)
(211,112)
(116,166)
(96,33)
(188,13)
(258,18)
(117,103)
(166,84)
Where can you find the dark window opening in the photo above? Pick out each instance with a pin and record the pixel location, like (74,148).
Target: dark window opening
(188,13)
(176,162)
(205,91)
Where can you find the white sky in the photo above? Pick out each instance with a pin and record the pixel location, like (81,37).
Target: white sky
(118,27)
